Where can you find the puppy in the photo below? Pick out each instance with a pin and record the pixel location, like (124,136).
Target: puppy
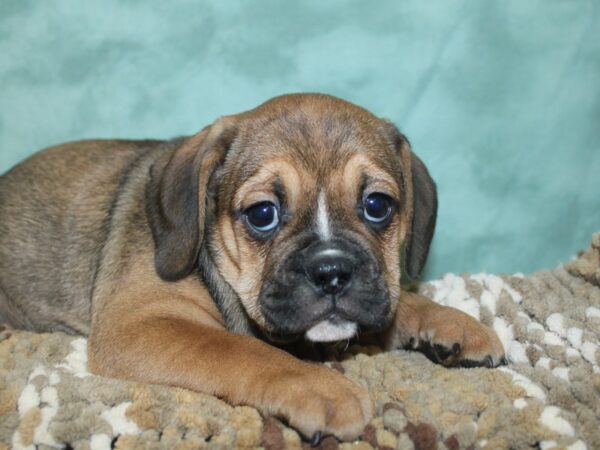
(183,260)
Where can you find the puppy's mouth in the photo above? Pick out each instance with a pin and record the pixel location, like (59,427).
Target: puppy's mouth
(332,329)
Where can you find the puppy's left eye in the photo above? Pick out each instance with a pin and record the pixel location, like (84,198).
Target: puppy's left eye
(377,207)
(262,217)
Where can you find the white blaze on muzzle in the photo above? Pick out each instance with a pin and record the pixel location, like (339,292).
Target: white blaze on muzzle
(331,330)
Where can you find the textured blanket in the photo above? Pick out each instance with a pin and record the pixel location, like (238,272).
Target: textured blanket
(547,397)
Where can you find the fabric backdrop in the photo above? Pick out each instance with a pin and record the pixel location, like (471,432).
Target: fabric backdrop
(501,99)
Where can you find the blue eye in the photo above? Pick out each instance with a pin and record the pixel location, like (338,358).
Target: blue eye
(263,216)
(377,207)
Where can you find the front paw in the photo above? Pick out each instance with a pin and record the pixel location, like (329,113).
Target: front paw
(320,401)
(452,338)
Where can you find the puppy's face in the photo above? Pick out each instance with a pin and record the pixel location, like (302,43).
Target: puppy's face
(312,206)
(311,215)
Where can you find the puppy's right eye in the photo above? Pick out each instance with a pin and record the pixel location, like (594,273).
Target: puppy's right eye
(262,217)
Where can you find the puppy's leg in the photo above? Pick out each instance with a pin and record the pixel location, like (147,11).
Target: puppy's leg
(445,335)
(174,342)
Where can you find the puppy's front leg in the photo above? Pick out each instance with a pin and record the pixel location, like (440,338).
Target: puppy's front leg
(190,350)
(445,335)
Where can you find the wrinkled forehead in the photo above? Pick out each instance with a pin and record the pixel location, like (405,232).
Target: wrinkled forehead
(313,152)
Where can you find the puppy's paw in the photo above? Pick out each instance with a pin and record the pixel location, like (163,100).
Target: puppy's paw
(452,338)
(321,401)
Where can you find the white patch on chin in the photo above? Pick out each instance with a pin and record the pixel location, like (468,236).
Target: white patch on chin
(329,331)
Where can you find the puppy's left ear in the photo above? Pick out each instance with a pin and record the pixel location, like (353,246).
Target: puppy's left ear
(423,218)
(177,195)
(421,207)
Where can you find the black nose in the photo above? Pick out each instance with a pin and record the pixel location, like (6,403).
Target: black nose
(330,271)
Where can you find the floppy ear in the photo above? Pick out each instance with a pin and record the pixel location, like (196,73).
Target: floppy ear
(423,217)
(176,197)
(421,207)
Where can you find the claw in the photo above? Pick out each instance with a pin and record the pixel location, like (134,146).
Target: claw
(316,439)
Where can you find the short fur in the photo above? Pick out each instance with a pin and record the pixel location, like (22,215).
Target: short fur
(143,246)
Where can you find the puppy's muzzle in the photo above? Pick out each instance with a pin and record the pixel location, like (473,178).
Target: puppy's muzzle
(325,291)
(330,270)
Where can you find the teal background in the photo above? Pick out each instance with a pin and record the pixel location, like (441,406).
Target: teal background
(501,99)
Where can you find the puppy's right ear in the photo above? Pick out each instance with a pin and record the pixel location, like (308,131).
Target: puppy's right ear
(176,197)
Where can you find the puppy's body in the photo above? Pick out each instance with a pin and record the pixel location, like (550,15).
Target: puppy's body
(149,248)
(56,210)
